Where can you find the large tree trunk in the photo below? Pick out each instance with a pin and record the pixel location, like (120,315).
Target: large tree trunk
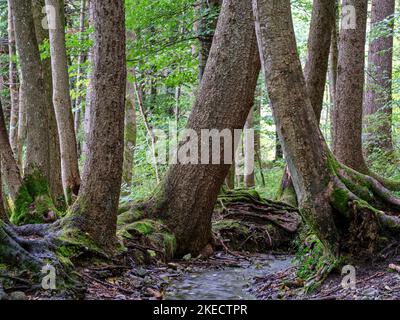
(42,36)
(37,150)
(315,71)
(347,119)
(62,102)
(81,59)
(97,203)
(186,198)
(13,82)
(336,201)
(378,98)
(9,165)
(248,147)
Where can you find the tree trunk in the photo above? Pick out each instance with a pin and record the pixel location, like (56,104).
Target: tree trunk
(8,165)
(207,24)
(42,36)
(333,69)
(335,201)
(378,98)
(3,214)
(319,43)
(96,207)
(130,134)
(186,198)
(37,151)
(13,82)
(22,105)
(347,114)
(81,59)
(315,71)
(248,145)
(62,102)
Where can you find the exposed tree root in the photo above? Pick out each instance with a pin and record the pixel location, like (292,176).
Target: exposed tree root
(26,250)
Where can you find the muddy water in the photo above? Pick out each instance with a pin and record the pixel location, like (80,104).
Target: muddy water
(229,283)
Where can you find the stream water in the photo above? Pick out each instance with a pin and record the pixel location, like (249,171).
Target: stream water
(228,283)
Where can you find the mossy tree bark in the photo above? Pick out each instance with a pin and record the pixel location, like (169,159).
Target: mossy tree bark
(337,202)
(95,210)
(62,102)
(378,98)
(185,199)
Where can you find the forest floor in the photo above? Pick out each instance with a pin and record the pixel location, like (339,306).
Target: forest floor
(231,277)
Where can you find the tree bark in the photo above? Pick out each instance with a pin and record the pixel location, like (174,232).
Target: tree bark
(81,59)
(347,114)
(37,151)
(55,179)
(207,25)
(378,97)
(3,214)
(13,82)
(96,208)
(8,164)
(315,71)
(62,103)
(319,43)
(249,144)
(186,198)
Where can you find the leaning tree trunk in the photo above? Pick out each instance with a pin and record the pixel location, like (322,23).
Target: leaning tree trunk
(185,199)
(62,102)
(378,98)
(248,147)
(13,82)
(315,71)
(97,203)
(42,36)
(338,203)
(347,114)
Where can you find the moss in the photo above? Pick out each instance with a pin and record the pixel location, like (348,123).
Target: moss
(230,224)
(129,217)
(150,234)
(34,203)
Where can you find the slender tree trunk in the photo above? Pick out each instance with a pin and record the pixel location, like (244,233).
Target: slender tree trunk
(333,70)
(62,102)
(96,207)
(37,151)
(186,198)
(315,71)
(149,129)
(319,43)
(8,165)
(13,82)
(3,215)
(378,98)
(22,105)
(347,119)
(130,134)
(42,36)
(248,145)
